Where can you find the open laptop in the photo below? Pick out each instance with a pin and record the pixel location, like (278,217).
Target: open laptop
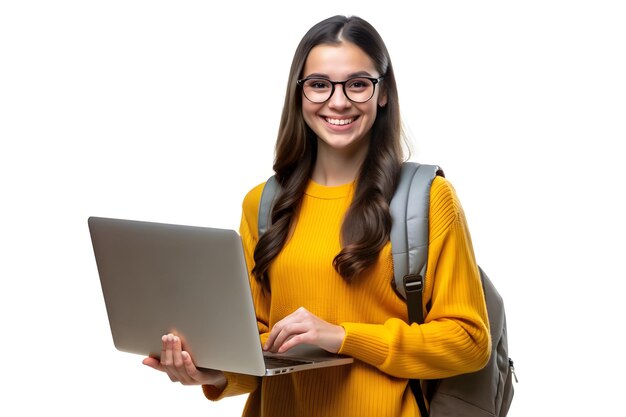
(191,281)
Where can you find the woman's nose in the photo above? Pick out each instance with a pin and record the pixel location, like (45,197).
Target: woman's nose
(338,99)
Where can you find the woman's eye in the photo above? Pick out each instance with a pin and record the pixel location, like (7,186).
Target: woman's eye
(319,84)
(358,84)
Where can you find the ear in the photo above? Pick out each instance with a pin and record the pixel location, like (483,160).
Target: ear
(382,98)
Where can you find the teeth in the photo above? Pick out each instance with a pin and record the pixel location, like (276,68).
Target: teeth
(339,122)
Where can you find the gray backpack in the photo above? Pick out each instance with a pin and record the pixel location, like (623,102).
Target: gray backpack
(486,393)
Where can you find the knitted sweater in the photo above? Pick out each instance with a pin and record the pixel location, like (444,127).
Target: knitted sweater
(387,351)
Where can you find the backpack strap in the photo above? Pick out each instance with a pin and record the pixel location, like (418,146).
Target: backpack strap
(270,190)
(409,209)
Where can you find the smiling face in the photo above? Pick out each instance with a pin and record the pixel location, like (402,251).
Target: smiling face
(340,124)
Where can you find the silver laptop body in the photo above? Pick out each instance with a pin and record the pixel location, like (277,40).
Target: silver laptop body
(191,281)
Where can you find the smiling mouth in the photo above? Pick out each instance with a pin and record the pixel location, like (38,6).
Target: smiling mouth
(340,122)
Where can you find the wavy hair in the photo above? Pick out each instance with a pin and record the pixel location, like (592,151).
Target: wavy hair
(367,223)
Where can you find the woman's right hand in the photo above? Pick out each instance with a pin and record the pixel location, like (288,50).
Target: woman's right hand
(179,366)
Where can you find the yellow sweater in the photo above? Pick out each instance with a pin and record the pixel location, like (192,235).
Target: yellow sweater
(454,339)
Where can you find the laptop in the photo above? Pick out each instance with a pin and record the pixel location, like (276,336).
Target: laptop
(192,281)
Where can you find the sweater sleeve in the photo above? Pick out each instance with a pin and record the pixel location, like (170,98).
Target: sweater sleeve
(455,337)
(237,383)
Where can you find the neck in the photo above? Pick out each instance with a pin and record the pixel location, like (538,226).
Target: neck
(337,167)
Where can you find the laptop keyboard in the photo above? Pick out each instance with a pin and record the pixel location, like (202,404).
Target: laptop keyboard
(274,362)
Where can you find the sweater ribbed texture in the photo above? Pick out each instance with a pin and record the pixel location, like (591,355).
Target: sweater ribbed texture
(387,351)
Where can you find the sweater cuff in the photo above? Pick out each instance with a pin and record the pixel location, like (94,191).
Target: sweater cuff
(236,384)
(366,342)
(212,393)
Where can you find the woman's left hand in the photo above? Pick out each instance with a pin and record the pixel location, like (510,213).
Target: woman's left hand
(302,326)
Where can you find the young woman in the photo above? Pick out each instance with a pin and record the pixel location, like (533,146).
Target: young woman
(321,273)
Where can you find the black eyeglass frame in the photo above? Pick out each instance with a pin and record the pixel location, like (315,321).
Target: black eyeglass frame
(374,80)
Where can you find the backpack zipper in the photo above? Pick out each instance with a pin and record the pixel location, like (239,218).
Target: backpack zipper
(513,369)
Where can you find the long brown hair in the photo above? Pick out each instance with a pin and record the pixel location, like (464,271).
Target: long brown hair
(367,223)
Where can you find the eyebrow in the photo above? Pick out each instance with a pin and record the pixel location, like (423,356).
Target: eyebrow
(352,75)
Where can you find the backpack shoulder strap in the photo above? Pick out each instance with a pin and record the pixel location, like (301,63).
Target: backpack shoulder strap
(409,209)
(270,190)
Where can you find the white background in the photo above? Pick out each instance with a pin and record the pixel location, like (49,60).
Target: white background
(168,111)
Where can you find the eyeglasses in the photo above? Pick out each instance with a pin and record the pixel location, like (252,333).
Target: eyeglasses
(357,89)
